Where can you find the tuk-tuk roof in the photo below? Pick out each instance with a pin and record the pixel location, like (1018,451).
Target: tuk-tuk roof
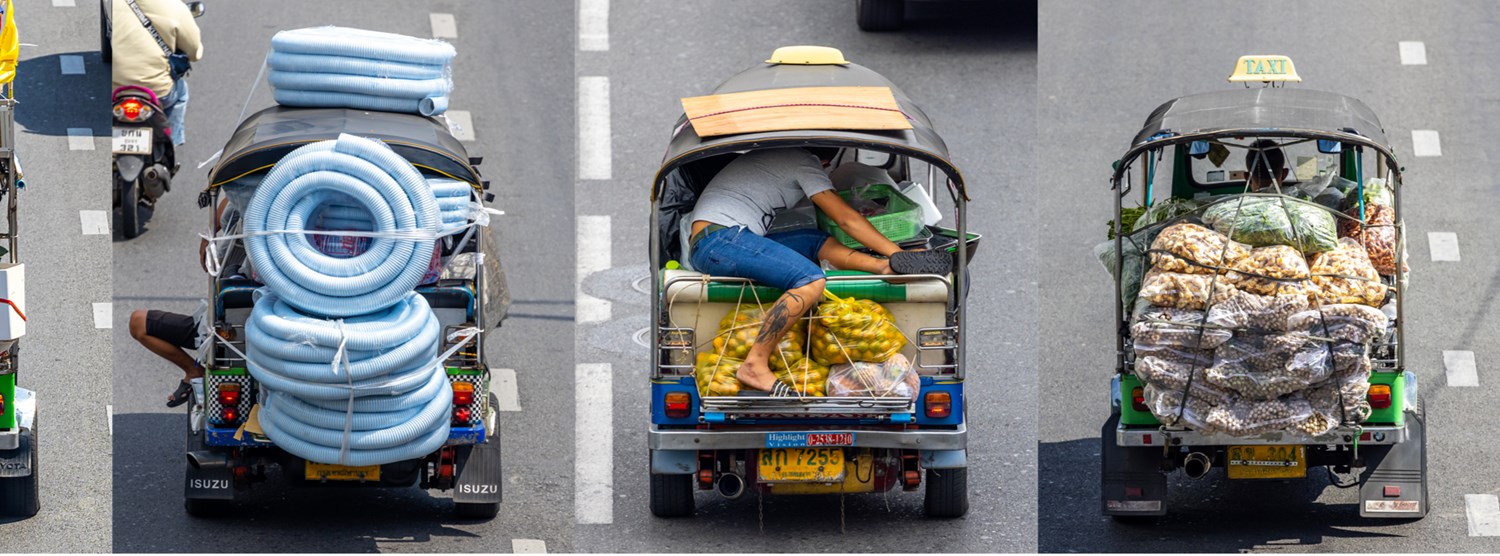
(920,141)
(268,135)
(1267,108)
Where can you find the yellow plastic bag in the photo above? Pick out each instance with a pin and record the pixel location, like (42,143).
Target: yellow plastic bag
(739,328)
(848,330)
(715,375)
(807,377)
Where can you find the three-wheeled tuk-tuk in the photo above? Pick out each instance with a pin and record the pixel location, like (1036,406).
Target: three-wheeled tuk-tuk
(844,430)
(240,424)
(18,424)
(1259,285)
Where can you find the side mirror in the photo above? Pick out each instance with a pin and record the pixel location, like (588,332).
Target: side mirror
(196,8)
(1327,146)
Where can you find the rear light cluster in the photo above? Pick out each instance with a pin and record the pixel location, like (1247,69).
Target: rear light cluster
(939,405)
(2,404)
(464,408)
(678,405)
(132,110)
(1138,399)
(228,396)
(1380,396)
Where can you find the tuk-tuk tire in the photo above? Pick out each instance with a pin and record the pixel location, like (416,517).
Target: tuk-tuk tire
(880,15)
(21,496)
(106,49)
(206,508)
(476,510)
(947,493)
(130,210)
(672,495)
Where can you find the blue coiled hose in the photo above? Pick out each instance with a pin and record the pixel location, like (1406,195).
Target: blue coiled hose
(354,68)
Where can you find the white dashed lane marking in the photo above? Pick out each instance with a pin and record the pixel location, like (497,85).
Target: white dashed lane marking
(71,65)
(1460,368)
(593,25)
(1444,246)
(63,3)
(460,124)
(104,315)
(1425,142)
(80,139)
(1413,53)
(593,252)
(1484,514)
(95,222)
(594,441)
(109,415)
(503,385)
(594,154)
(443,26)
(528,546)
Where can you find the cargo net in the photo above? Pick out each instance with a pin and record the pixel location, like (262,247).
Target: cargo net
(845,348)
(1264,312)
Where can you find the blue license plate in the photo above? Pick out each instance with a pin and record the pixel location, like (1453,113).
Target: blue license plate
(808,439)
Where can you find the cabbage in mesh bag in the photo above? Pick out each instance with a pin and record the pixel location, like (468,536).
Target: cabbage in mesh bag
(1262,221)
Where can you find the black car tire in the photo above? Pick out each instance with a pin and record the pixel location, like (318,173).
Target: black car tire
(672,495)
(880,15)
(947,493)
(106,46)
(484,510)
(21,496)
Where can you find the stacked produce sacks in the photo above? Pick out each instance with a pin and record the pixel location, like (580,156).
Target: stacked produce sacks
(354,68)
(851,348)
(1255,316)
(346,353)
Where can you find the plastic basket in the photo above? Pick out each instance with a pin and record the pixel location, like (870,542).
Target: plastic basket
(901,221)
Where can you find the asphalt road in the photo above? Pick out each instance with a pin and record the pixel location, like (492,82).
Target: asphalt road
(64,358)
(513,61)
(1104,67)
(971,67)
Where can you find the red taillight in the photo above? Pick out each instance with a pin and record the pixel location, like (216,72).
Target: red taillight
(939,405)
(230,415)
(132,110)
(461,416)
(1138,399)
(2,404)
(229,395)
(678,405)
(463,393)
(1380,396)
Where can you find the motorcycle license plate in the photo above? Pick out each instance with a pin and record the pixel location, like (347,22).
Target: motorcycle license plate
(1267,462)
(131,140)
(802,465)
(329,472)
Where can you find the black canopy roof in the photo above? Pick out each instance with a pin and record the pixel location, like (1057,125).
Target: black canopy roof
(920,141)
(1264,109)
(266,136)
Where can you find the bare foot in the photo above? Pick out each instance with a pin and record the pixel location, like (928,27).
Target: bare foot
(756,375)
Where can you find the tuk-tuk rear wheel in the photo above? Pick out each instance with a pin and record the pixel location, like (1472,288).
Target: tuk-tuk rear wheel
(880,15)
(672,495)
(469,510)
(21,496)
(947,492)
(198,507)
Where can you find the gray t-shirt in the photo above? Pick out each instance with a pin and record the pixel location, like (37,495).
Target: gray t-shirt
(750,190)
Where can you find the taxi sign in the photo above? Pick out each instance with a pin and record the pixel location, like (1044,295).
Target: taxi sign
(1264,69)
(808,56)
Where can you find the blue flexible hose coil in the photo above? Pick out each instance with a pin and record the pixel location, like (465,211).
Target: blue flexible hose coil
(354,68)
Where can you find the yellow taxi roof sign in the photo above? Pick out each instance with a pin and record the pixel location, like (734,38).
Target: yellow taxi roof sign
(1264,69)
(808,56)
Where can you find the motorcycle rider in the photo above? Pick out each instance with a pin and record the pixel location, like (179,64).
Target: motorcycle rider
(139,59)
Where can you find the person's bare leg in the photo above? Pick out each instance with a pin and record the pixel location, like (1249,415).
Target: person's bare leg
(844,258)
(756,372)
(162,348)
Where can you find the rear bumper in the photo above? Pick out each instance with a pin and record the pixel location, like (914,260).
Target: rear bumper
(748,438)
(1370,436)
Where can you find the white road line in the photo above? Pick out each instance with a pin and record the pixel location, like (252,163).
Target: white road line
(1413,53)
(1484,514)
(1444,246)
(1460,367)
(594,154)
(109,415)
(1425,142)
(95,222)
(63,3)
(104,315)
(443,26)
(593,251)
(460,124)
(71,65)
(528,546)
(593,25)
(593,439)
(503,385)
(80,139)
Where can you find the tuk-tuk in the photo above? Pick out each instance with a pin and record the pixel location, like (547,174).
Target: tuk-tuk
(226,451)
(18,434)
(818,441)
(1258,309)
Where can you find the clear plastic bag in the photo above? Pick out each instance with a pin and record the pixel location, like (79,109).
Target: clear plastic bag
(1184,291)
(1262,221)
(848,330)
(1265,367)
(1351,360)
(893,378)
(1377,234)
(1170,408)
(1346,275)
(1272,270)
(1346,322)
(1251,417)
(1169,370)
(1192,249)
(1340,401)
(1181,328)
(1256,313)
(1164,210)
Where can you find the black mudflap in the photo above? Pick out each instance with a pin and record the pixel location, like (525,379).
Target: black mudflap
(479,475)
(17,462)
(1394,482)
(208,484)
(1131,481)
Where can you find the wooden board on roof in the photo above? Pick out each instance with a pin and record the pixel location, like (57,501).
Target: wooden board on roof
(842,108)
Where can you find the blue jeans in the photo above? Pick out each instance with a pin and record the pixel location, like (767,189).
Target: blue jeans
(784,261)
(175,107)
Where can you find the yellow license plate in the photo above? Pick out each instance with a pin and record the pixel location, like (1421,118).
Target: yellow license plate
(330,472)
(1267,462)
(802,465)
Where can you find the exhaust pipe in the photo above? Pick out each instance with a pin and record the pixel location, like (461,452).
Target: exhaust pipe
(204,459)
(730,485)
(1196,465)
